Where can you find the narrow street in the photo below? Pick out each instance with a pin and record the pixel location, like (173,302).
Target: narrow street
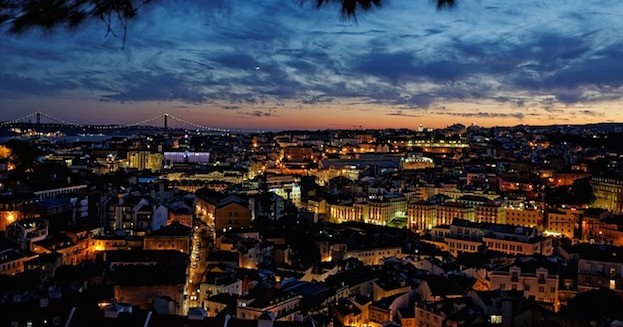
(198,254)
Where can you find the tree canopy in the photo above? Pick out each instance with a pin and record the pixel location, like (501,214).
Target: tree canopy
(24,15)
(595,305)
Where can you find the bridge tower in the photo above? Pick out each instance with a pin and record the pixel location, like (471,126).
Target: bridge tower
(166,121)
(38,119)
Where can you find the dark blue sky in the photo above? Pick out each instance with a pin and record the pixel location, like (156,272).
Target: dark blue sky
(273,63)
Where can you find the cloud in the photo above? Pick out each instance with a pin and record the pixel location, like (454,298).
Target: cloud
(515,115)
(255,113)
(592,113)
(539,55)
(402,113)
(145,86)
(14,85)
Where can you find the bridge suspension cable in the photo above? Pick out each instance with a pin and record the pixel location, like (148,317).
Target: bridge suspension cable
(149,120)
(119,126)
(195,125)
(62,121)
(8,122)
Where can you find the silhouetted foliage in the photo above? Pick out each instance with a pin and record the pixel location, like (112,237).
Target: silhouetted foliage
(23,154)
(304,250)
(595,306)
(25,15)
(351,7)
(579,193)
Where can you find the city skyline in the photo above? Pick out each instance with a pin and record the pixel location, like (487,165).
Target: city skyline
(271,65)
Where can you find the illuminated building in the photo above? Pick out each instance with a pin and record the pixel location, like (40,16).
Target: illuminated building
(384,310)
(110,242)
(218,283)
(232,212)
(297,153)
(54,192)
(608,193)
(182,215)
(490,212)
(317,205)
(567,177)
(8,217)
(349,313)
(176,157)
(385,208)
(135,214)
(171,237)
(26,231)
(72,252)
(12,261)
(448,211)
(466,236)
(428,143)
(601,227)
(412,163)
(523,217)
(600,266)
(534,280)
(563,222)
(427,315)
(422,215)
(14,207)
(261,300)
(228,175)
(288,191)
(373,256)
(145,160)
(343,211)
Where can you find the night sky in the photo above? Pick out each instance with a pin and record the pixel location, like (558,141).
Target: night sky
(276,64)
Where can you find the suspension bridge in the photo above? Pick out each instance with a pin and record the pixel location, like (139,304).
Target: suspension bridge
(42,118)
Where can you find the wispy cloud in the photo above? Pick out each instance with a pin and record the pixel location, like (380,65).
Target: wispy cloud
(537,55)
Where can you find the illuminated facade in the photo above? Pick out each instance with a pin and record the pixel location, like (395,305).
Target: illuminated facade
(599,226)
(173,157)
(523,217)
(171,237)
(289,191)
(384,209)
(374,256)
(12,261)
(145,160)
(490,212)
(608,193)
(232,212)
(539,283)
(282,305)
(563,222)
(422,216)
(466,236)
(448,211)
(341,212)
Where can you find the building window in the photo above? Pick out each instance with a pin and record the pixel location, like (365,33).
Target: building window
(495,319)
